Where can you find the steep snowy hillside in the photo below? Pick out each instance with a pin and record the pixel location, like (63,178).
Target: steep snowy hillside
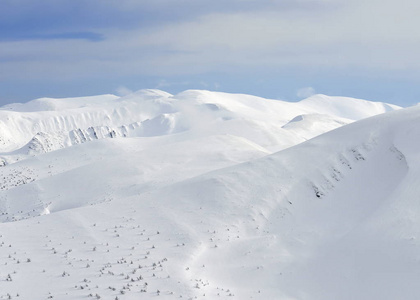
(207,211)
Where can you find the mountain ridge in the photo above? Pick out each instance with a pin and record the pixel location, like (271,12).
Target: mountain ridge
(152,113)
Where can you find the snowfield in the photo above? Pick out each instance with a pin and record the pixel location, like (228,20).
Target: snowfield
(206,195)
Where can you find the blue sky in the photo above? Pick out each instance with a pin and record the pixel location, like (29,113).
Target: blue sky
(284,49)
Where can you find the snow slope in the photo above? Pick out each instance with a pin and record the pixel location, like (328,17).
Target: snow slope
(209,212)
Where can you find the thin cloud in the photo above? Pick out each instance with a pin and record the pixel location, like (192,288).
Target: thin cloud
(123,91)
(89,36)
(305,92)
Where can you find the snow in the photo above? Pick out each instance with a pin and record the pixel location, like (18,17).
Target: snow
(47,124)
(346,107)
(211,196)
(51,104)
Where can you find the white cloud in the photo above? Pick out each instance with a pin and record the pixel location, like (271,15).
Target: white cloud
(123,91)
(305,92)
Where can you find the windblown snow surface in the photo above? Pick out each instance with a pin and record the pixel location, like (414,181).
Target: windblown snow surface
(206,195)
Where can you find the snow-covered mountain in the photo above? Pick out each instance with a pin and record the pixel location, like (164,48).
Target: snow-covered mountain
(45,124)
(210,196)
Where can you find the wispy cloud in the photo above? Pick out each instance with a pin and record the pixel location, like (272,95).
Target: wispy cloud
(89,36)
(225,38)
(48,18)
(123,91)
(305,92)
